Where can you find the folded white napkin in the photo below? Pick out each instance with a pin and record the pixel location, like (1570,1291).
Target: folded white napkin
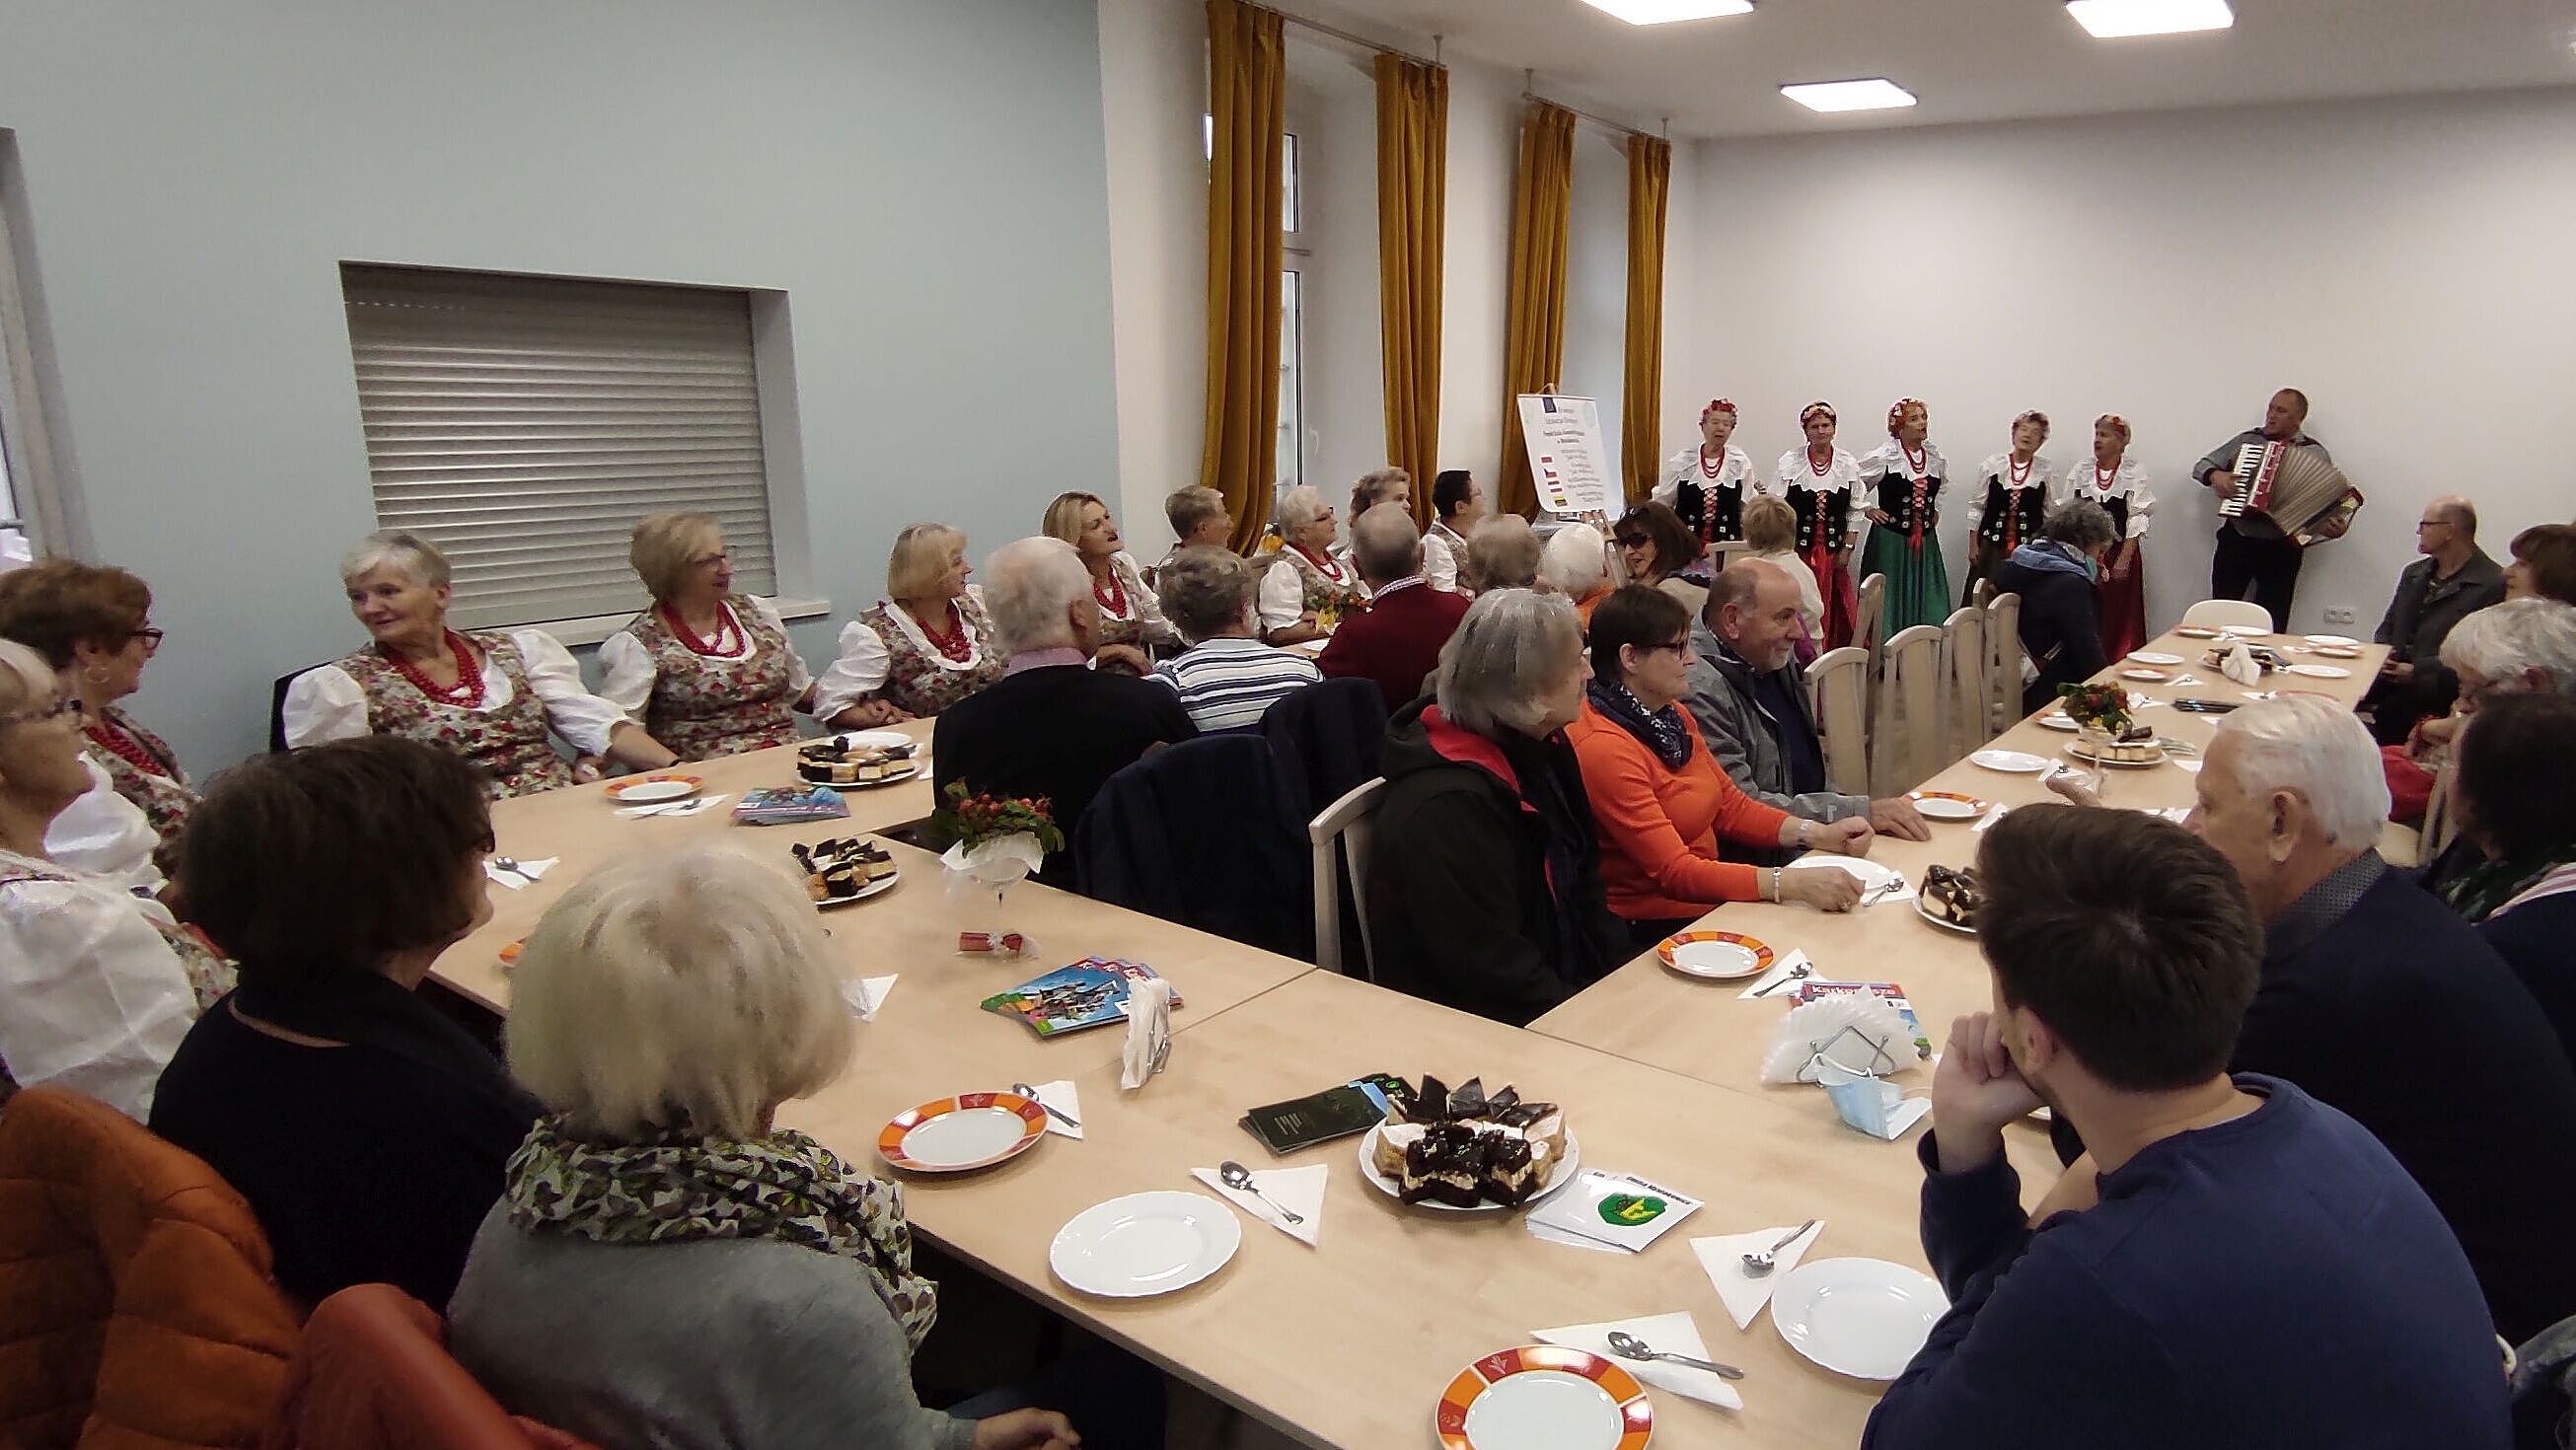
(1723,1259)
(1671,1333)
(1060,1095)
(1779,972)
(1987,822)
(866,995)
(528,871)
(1548,1233)
(1868,874)
(2237,663)
(1300,1190)
(2187,763)
(1149,1032)
(689,807)
(2179,680)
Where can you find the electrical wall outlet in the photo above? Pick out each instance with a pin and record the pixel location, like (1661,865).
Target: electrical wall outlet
(2340,614)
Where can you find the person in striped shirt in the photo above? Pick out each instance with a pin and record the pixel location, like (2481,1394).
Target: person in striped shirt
(1227,677)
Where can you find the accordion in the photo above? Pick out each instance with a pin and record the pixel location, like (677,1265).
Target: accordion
(2296,489)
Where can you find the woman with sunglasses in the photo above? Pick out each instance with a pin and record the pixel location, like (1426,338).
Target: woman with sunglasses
(93,626)
(97,985)
(1660,802)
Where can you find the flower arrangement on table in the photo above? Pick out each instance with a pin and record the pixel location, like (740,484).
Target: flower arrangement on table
(999,840)
(2096,707)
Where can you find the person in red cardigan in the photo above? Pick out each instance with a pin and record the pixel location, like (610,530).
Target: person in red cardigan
(1397,641)
(1661,804)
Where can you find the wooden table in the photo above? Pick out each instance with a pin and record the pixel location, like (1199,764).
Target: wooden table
(1653,1015)
(1348,1344)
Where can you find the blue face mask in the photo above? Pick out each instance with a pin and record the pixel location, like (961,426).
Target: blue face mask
(2092,568)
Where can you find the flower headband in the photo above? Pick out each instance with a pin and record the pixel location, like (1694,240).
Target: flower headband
(1718,405)
(2117,423)
(1896,413)
(1812,409)
(2033,416)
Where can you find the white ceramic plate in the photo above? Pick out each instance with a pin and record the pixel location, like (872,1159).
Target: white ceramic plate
(1145,1244)
(877,887)
(2146,677)
(2154,657)
(654,790)
(877,739)
(1860,1317)
(1557,1177)
(1549,1399)
(1942,806)
(1923,909)
(2010,762)
(1715,956)
(2320,672)
(2194,631)
(966,1138)
(2058,720)
(1870,874)
(2342,641)
(2076,749)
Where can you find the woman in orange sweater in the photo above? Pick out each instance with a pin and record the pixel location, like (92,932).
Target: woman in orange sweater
(1659,799)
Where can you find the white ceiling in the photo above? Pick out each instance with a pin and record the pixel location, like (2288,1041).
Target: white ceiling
(1981,60)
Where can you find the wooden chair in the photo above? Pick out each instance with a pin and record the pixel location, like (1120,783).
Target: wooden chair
(2004,656)
(1906,723)
(1873,607)
(2229,614)
(1969,695)
(2441,823)
(1346,824)
(1838,684)
(1982,595)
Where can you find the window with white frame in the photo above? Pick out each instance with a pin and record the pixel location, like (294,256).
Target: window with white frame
(1296,258)
(31,519)
(523,424)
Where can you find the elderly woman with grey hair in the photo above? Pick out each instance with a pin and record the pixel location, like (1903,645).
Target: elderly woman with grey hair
(2061,611)
(1502,553)
(1227,678)
(1485,891)
(1576,563)
(491,696)
(1311,584)
(667,1265)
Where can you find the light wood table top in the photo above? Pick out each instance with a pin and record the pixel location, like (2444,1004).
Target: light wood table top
(1646,1012)
(1349,1344)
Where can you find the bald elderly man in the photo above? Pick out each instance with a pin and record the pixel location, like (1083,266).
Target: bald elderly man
(2453,580)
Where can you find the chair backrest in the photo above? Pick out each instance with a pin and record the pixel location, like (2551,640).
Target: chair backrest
(1328,737)
(1906,726)
(1204,833)
(1343,830)
(1872,608)
(1969,699)
(2441,822)
(1838,683)
(373,1373)
(2004,656)
(1982,595)
(2229,614)
(141,1307)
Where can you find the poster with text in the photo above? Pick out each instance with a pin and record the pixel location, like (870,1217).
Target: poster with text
(1567,460)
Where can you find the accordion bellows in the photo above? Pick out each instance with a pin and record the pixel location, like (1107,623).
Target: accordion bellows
(2296,489)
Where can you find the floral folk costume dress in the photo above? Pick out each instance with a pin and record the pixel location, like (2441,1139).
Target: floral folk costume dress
(1904,482)
(734,692)
(889,654)
(144,770)
(509,743)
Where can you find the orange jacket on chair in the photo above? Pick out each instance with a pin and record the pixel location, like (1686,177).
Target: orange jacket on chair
(136,1307)
(1660,827)
(374,1373)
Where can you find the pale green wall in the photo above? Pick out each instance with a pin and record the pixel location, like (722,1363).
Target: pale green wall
(923,178)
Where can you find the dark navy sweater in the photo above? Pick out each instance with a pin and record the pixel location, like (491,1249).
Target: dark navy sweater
(2272,1282)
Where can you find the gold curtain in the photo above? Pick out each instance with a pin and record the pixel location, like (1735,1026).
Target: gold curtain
(1412,189)
(1247,99)
(1534,337)
(1650,172)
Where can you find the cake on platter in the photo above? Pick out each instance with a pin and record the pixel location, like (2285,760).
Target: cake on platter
(1464,1149)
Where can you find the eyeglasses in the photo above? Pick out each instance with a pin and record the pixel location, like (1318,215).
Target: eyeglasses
(708,560)
(150,636)
(65,705)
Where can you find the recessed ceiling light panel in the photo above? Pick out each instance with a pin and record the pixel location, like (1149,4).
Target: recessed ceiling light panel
(1874,94)
(1665,12)
(2119,19)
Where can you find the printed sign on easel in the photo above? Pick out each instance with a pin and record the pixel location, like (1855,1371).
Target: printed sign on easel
(1567,461)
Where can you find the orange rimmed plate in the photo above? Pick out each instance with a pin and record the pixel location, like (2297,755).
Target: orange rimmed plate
(1542,1397)
(1948,805)
(1719,956)
(963,1133)
(658,789)
(510,954)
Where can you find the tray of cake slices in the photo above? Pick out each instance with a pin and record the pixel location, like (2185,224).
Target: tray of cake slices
(866,759)
(841,871)
(1461,1150)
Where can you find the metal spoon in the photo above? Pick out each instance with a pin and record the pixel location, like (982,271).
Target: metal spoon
(1629,1346)
(1759,1264)
(1239,1178)
(1059,1114)
(513,867)
(1796,972)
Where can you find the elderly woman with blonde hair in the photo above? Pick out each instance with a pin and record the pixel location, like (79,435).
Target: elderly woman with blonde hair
(1485,893)
(1129,613)
(490,696)
(706,671)
(97,985)
(1382,485)
(664,1254)
(1311,582)
(925,646)
(1502,553)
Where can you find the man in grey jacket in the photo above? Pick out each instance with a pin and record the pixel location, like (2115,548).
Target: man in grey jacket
(1750,699)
